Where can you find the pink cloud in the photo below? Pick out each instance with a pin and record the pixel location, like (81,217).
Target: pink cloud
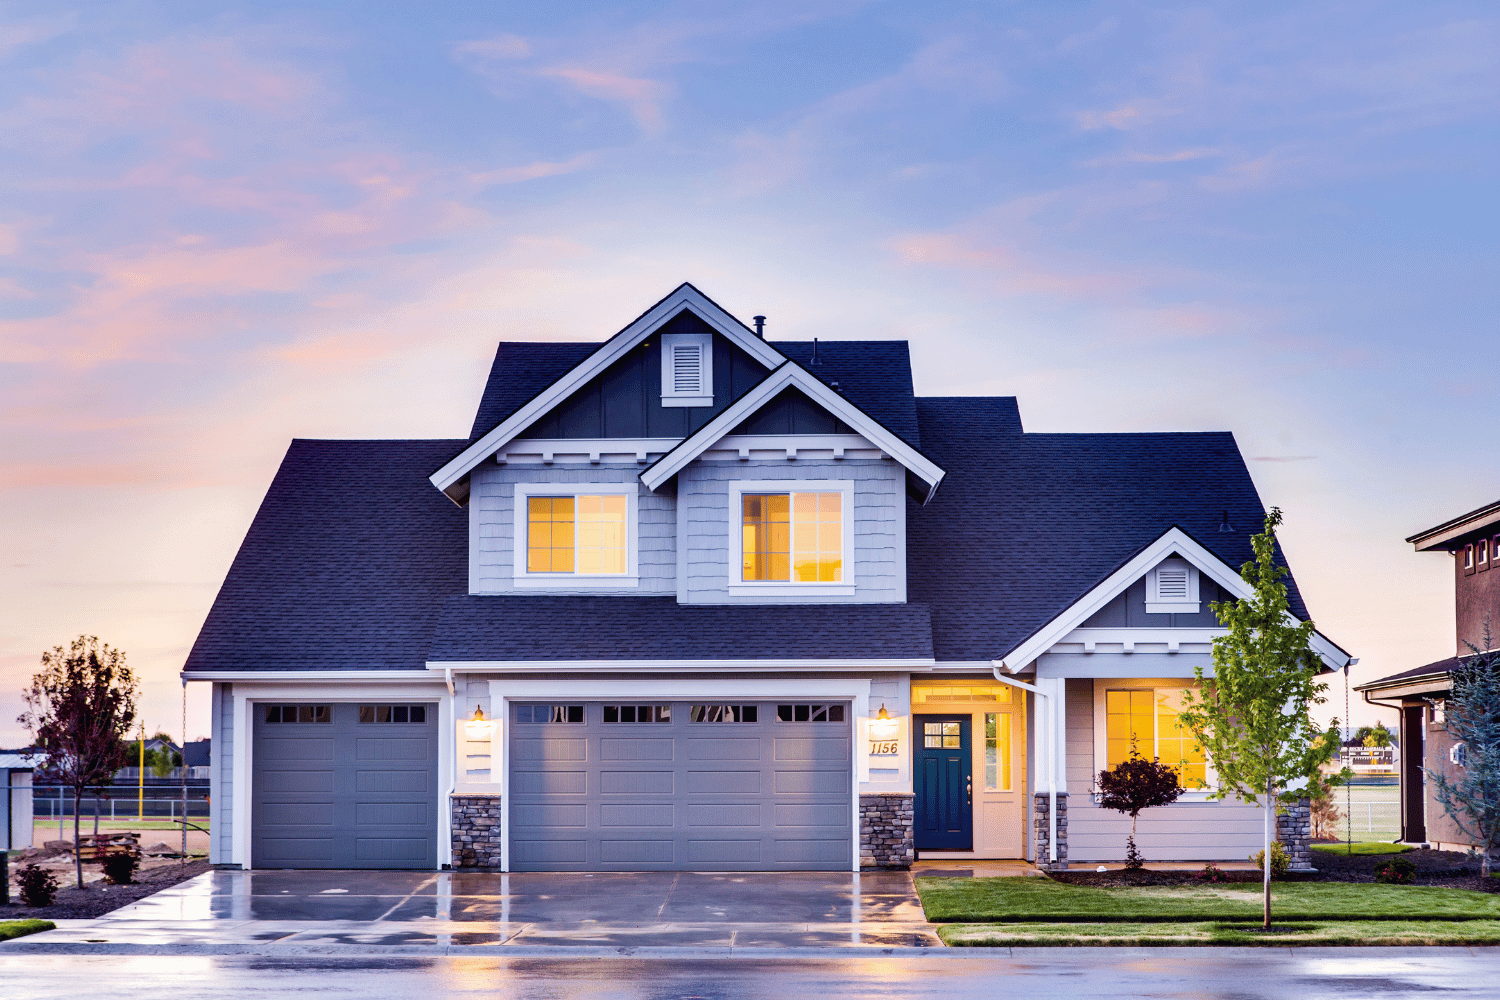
(643,98)
(498,47)
(532,171)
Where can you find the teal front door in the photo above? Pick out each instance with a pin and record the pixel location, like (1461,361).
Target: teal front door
(944,783)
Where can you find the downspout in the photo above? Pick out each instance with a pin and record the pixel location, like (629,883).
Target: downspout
(1051,755)
(453,782)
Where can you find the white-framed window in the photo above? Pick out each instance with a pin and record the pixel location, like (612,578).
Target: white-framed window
(791,537)
(571,535)
(1172,588)
(1146,714)
(687,369)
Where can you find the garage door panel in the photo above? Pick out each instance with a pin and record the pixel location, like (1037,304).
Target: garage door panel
(369,800)
(637,782)
(708,795)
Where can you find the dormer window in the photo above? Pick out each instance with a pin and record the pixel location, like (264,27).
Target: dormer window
(687,369)
(1172,588)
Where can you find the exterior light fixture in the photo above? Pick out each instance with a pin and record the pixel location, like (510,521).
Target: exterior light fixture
(883,727)
(478,728)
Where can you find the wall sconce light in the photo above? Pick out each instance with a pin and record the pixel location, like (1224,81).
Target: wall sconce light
(478,728)
(883,727)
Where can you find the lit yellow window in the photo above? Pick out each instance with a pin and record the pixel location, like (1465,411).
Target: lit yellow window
(792,537)
(997,751)
(583,534)
(1151,718)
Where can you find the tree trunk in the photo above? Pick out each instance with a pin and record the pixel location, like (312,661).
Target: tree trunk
(77,850)
(1265,866)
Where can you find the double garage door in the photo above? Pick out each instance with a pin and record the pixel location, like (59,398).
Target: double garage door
(345,786)
(749,786)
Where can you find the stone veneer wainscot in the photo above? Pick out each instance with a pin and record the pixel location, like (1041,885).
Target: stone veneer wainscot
(478,835)
(886,829)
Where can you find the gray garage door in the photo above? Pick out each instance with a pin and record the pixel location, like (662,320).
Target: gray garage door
(750,786)
(345,786)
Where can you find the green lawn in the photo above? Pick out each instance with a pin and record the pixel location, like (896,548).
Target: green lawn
(1371,847)
(20,928)
(1030,900)
(1386,933)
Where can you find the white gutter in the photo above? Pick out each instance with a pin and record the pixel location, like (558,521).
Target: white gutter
(452,785)
(1051,754)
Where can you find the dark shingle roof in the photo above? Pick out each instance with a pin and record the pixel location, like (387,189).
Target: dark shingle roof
(1026,524)
(518,373)
(536,627)
(1436,669)
(346,565)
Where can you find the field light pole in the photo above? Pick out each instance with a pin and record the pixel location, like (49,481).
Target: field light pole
(140,795)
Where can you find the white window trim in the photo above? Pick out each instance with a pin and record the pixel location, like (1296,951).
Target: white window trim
(1154,603)
(573,581)
(788,588)
(1101,736)
(669,396)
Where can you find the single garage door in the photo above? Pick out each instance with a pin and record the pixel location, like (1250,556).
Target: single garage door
(751,786)
(345,786)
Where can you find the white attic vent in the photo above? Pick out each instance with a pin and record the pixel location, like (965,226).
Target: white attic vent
(1172,588)
(687,369)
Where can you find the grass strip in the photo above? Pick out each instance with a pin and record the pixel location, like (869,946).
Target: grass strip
(1384,933)
(20,928)
(1363,848)
(1036,900)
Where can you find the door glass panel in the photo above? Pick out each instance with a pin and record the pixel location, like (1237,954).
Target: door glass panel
(997,751)
(951,735)
(932,734)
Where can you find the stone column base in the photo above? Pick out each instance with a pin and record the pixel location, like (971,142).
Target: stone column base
(1294,831)
(886,829)
(1041,807)
(478,836)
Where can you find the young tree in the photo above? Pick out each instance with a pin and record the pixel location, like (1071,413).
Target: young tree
(79,709)
(1253,718)
(1133,785)
(1472,796)
(1374,736)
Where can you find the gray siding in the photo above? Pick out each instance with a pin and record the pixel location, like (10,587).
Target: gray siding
(221,779)
(492,526)
(879,526)
(1079,706)
(1128,610)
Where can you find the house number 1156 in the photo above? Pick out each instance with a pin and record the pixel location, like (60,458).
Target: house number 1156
(884,748)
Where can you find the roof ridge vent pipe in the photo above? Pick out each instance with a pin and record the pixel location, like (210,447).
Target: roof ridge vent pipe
(815,360)
(760,326)
(1224,525)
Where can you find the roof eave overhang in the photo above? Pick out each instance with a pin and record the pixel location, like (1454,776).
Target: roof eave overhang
(1450,531)
(1174,541)
(1408,687)
(452,478)
(792,375)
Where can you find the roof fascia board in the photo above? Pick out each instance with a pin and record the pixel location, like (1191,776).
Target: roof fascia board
(673,666)
(791,374)
(1174,541)
(1426,684)
(608,353)
(1432,538)
(332,676)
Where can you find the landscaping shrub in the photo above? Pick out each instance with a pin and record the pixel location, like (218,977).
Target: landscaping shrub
(1212,873)
(1397,871)
(119,867)
(38,885)
(1279,860)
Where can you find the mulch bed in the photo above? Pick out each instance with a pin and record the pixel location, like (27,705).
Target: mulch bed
(1442,868)
(96,899)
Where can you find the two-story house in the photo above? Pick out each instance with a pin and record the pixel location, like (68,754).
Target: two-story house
(1472,541)
(694,599)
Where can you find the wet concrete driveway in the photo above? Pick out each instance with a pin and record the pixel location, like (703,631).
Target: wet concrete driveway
(286,912)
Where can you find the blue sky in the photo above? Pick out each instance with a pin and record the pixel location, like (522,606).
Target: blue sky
(223,225)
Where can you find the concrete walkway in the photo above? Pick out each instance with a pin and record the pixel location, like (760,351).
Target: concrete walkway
(351,912)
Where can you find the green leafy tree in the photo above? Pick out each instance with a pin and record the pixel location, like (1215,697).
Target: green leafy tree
(79,709)
(1253,718)
(1135,784)
(1471,796)
(1374,736)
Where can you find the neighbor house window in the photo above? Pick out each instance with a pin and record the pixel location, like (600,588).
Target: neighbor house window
(1482,553)
(792,537)
(1147,719)
(1468,557)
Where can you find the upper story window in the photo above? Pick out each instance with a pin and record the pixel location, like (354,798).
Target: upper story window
(1482,553)
(1172,588)
(687,369)
(575,539)
(1469,558)
(791,537)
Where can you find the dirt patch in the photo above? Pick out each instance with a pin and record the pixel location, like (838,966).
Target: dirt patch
(1452,869)
(96,898)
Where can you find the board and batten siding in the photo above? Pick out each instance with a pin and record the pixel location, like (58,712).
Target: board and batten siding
(492,528)
(221,780)
(879,526)
(1184,831)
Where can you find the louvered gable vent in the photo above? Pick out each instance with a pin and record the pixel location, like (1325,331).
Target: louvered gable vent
(687,369)
(1172,588)
(1172,583)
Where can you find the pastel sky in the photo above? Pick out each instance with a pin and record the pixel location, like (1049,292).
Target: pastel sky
(224,225)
